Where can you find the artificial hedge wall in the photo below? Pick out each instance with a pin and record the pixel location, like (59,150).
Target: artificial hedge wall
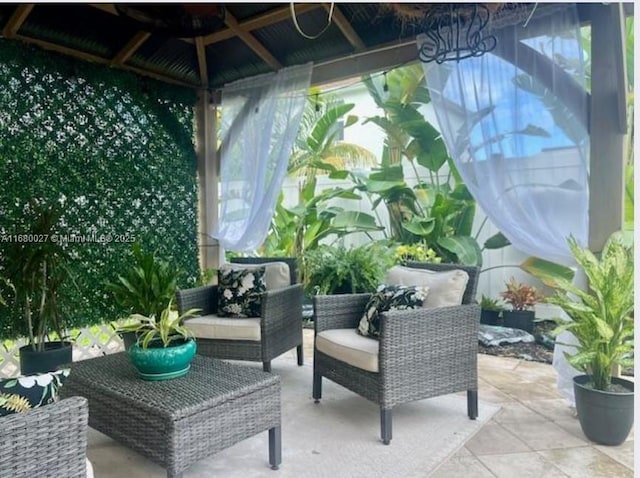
(115,151)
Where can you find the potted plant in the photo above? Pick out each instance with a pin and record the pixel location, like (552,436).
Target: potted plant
(490,310)
(36,267)
(164,347)
(145,288)
(522,298)
(602,323)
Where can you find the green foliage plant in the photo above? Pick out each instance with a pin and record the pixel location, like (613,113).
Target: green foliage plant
(439,209)
(148,285)
(317,150)
(6,286)
(168,329)
(489,303)
(342,270)
(37,267)
(601,316)
(520,296)
(419,252)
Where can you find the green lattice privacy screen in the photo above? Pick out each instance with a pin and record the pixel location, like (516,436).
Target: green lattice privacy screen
(114,150)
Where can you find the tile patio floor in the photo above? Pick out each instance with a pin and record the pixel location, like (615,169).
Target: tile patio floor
(535,434)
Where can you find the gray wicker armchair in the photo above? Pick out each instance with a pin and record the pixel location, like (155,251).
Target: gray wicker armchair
(421,353)
(280,319)
(50,441)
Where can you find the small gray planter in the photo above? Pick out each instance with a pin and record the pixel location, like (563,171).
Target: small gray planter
(605,417)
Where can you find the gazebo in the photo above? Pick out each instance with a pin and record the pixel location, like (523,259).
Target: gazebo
(205,46)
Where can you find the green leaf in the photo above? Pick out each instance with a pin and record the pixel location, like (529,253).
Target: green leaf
(355,220)
(548,272)
(497,241)
(340,174)
(420,226)
(318,135)
(464,247)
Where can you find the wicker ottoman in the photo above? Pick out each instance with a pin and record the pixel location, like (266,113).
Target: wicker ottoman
(177,422)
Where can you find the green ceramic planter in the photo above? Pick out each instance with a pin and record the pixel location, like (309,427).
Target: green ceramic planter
(163,363)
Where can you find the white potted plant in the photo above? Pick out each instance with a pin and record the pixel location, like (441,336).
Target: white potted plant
(602,323)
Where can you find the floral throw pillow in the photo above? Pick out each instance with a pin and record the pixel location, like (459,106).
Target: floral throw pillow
(389,297)
(240,292)
(25,393)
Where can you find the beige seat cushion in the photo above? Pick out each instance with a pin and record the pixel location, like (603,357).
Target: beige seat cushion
(214,327)
(446,288)
(276,274)
(348,346)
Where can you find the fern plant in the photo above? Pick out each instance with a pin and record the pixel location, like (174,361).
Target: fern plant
(601,316)
(341,270)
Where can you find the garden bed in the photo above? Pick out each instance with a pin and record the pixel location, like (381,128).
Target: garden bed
(536,351)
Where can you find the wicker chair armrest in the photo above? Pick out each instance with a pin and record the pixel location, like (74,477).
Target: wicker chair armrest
(420,339)
(52,436)
(341,311)
(282,308)
(204,298)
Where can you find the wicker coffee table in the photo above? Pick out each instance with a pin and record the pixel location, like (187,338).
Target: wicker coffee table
(177,422)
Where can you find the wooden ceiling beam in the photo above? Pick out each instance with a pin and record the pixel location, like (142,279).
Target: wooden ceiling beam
(105,7)
(260,21)
(98,59)
(251,42)
(17,19)
(202,62)
(345,27)
(130,48)
(381,57)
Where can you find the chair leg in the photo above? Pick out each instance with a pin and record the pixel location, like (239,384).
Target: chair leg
(472,404)
(266,366)
(385,425)
(300,356)
(317,386)
(275,447)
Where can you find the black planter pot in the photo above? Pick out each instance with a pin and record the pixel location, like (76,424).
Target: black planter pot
(519,319)
(489,317)
(128,339)
(605,417)
(51,358)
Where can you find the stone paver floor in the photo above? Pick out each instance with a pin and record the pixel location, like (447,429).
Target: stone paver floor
(535,434)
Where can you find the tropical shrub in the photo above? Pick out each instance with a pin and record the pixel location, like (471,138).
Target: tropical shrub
(148,285)
(419,252)
(342,270)
(601,316)
(520,296)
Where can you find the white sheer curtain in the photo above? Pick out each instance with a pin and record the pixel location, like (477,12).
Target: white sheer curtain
(260,120)
(514,120)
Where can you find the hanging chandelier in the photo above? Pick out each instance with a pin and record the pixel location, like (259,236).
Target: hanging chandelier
(455,31)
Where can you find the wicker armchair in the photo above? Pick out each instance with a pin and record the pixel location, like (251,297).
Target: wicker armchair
(50,441)
(421,353)
(280,319)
